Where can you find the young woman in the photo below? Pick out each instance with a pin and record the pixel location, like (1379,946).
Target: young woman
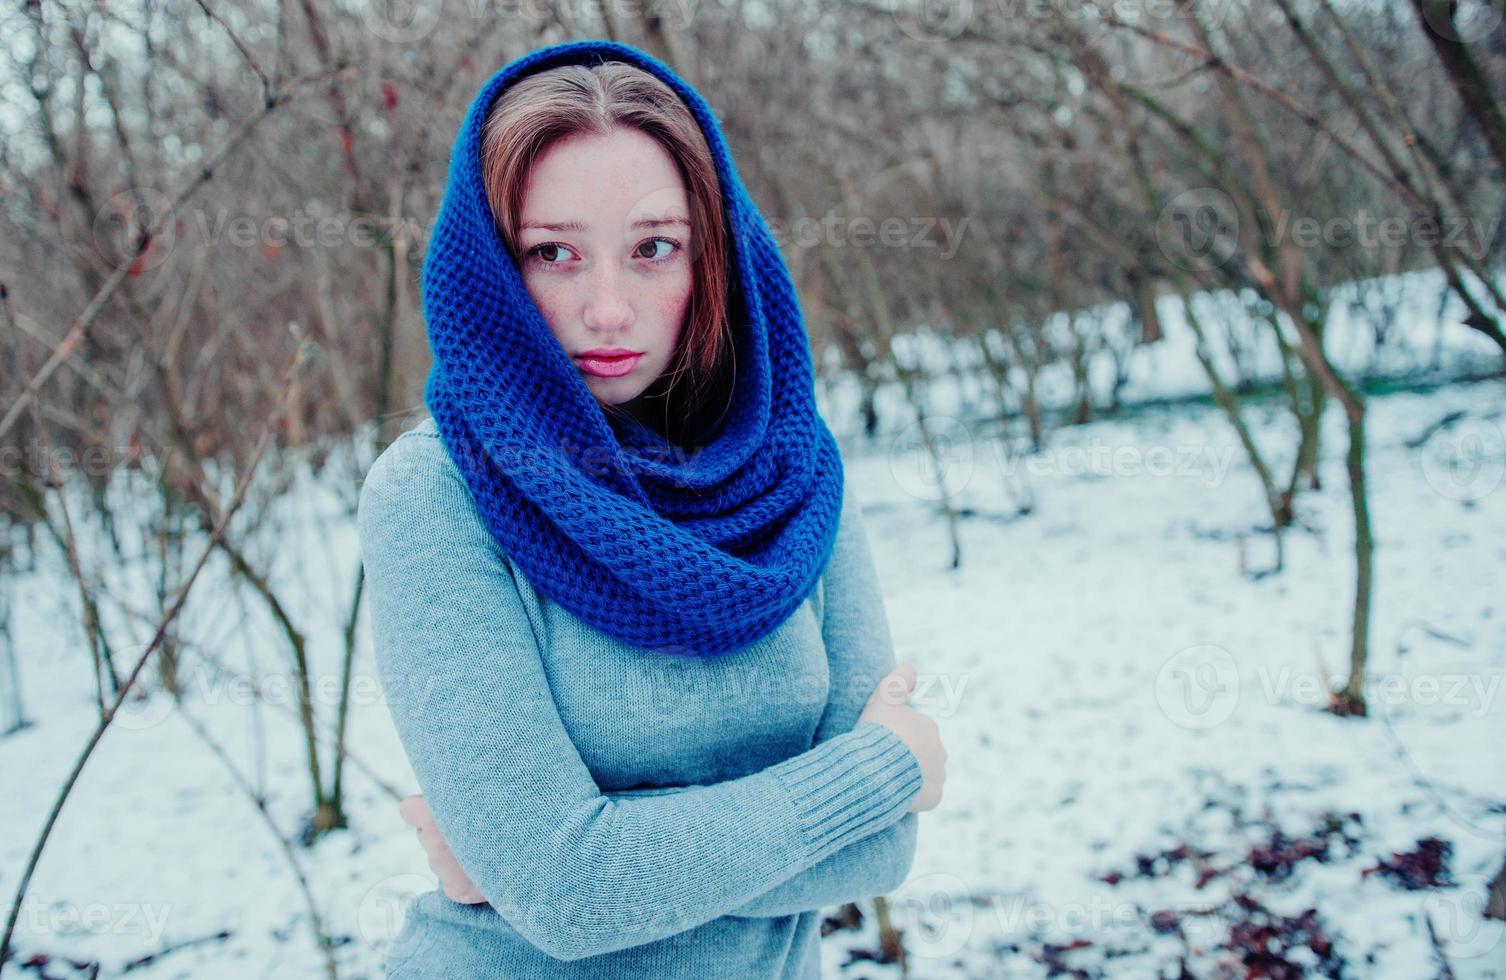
(623,604)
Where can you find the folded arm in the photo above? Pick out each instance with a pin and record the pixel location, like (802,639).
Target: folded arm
(860,651)
(575,872)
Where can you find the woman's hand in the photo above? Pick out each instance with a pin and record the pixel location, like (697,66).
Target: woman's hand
(457,885)
(889,705)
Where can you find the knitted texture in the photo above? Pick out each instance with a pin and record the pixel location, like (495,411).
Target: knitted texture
(626,815)
(695,553)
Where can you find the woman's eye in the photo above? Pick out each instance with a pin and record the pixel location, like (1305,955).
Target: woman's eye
(669,243)
(546,251)
(653,249)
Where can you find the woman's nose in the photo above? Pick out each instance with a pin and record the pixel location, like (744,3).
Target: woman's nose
(607,307)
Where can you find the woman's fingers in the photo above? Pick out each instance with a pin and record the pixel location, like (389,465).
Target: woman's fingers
(456,883)
(464,896)
(895,687)
(464,892)
(415,811)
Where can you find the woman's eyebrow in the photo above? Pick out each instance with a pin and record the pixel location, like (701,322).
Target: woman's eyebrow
(581,225)
(659,222)
(555,225)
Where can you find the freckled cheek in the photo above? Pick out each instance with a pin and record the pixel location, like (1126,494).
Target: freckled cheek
(552,299)
(669,302)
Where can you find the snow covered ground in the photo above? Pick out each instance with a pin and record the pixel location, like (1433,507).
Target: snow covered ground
(1126,714)
(1110,686)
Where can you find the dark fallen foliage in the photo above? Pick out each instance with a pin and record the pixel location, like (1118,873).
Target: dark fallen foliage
(1269,943)
(1278,856)
(849,916)
(1266,943)
(1425,866)
(1239,932)
(1053,956)
(1165,921)
(47,966)
(1274,857)
(1164,863)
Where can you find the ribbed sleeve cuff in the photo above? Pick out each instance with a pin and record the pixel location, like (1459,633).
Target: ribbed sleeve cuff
(850,786)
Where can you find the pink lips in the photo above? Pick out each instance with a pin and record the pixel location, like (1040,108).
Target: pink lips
(608,362)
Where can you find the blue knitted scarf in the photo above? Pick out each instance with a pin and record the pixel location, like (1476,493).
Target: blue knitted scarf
(695,553)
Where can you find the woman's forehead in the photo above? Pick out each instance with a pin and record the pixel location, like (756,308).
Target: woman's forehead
(616,181)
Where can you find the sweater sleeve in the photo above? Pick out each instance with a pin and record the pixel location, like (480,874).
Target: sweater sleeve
(574,872)
(860,651)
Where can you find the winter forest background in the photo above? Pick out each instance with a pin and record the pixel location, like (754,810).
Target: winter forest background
(1166,340)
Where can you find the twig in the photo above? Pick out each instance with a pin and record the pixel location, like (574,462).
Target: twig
(299,360)
(86,319)
(1209,60)
(320,935)
(1446,972)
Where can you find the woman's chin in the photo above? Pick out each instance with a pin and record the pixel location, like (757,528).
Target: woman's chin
(614,395)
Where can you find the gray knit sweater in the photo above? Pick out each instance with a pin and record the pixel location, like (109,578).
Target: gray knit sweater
(626,813)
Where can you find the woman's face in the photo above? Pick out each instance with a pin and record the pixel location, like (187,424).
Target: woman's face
(604,249)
